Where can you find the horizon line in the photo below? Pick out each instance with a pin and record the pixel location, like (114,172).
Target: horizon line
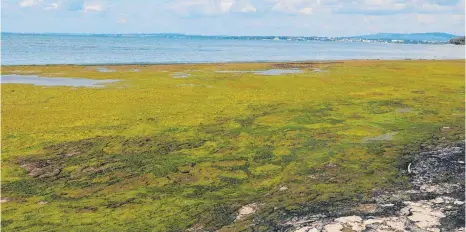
(203,35)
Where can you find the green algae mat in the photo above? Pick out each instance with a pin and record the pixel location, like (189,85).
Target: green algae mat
(186,147)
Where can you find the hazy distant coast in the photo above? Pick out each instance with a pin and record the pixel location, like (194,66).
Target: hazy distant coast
(411,38)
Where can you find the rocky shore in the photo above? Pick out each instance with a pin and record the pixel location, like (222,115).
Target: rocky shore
(433,202)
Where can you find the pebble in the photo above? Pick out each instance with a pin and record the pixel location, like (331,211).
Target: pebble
(458,202)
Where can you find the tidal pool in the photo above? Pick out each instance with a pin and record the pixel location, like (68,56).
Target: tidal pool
(53,81)
(269,72)
(180,75)
(104,69)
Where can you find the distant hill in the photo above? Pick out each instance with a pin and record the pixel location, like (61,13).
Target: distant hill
(433,36)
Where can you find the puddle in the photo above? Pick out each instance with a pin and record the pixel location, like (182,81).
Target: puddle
(104,69)
(318,70)
(269,72)
(384,137)
(274,72)
(22,71)
(234,71)
(180,75)
(55,81)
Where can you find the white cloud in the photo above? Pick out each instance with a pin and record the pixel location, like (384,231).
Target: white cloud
(425,19)
(306,11)
(93,7)
(200,7)
(248,9)
(51,6)
(29,3)
(243,6)
(122,20)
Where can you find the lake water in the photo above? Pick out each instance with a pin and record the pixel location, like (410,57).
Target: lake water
(53,81)
(20,49)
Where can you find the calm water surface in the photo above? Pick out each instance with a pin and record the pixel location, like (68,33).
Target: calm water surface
(53,81)
(20,49)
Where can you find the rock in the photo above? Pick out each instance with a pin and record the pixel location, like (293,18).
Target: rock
(438,200)
(335,227)
(367,208)
(423,215)
(430,204)
(387,205)
(373,221)
(349,219)
(396,224)
(307,229)
(283,188)
(355,222)
(330,165)
(458,202)
(246,210)
(42,203)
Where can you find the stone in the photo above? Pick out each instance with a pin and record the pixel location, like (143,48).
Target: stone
(349,219)
(283,188)
(246,210)
(438,200)
(335,227)
(458,202)
(372,221)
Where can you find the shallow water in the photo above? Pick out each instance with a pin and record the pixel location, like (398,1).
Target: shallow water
(104,69)
(180,75)
(274,72)
(94,49)
(269,72)
(55,81)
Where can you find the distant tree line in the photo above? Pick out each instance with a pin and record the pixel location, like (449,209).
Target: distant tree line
(458,40)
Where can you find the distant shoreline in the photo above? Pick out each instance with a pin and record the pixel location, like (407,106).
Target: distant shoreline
(227,62)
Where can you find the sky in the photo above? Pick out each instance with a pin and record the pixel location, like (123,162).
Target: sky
(235,17)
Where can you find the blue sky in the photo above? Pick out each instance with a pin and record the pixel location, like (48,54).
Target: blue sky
(234,17)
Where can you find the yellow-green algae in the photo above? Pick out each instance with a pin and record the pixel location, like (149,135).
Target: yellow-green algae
(157,153)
